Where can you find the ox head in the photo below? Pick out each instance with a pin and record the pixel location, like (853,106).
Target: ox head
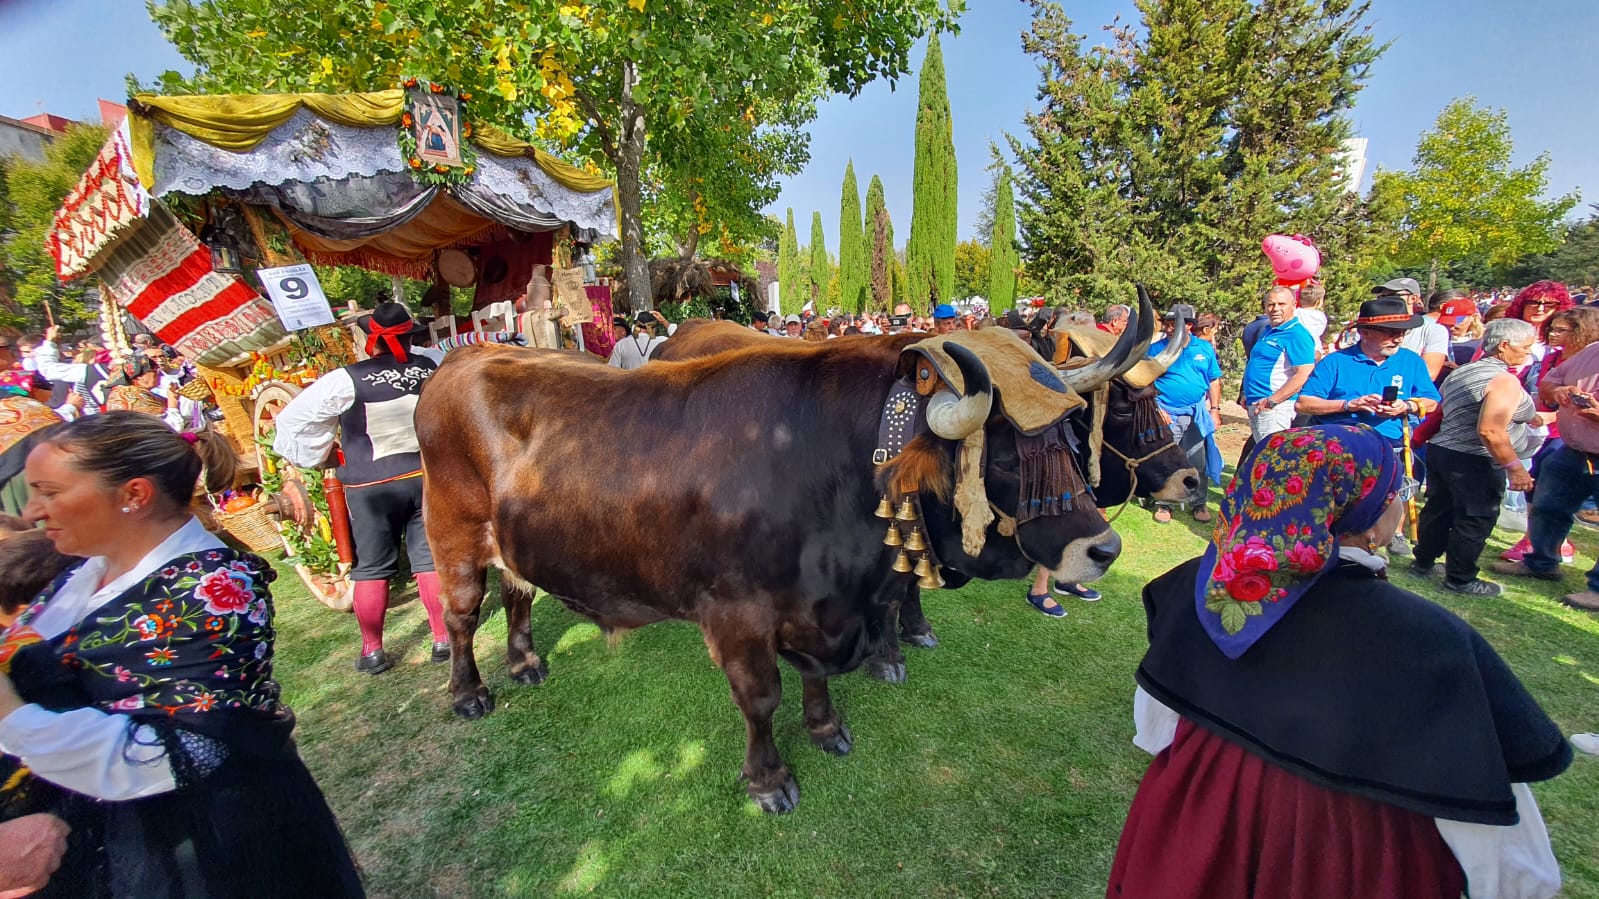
(1123,432)
(1000,490)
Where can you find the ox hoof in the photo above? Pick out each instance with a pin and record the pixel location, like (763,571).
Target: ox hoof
(779,801)
(533,676)
(837,742)
(475,704)
(925,641)
(887,672)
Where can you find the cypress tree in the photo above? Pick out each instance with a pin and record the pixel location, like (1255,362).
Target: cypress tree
(821,265)
(790,279)
(852,262)
(880,231)
(1004,259)
(930,254)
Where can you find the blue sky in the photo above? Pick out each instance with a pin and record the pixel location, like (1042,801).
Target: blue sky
(1533,58)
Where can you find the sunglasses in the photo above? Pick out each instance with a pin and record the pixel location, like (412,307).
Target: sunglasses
(1540,303)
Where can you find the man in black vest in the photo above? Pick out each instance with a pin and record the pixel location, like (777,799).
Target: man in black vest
(372,402)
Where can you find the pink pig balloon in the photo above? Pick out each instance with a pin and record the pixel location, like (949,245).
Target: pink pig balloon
(1293,259)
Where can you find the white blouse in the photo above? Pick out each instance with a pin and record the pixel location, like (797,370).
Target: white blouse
(87,750)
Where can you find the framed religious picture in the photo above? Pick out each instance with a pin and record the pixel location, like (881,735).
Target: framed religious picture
(436,126)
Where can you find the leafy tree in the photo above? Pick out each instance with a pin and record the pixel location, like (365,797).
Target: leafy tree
(821,265)
(880,232)
(1004,256)
(30,194)
(1464,199)
(1577,260)
(853,265)
(930,254)
(791,281)
(706,99)
(971,271)
(1167,155)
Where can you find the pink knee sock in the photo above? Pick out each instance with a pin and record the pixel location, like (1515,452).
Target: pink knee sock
(371,601)
(427,587)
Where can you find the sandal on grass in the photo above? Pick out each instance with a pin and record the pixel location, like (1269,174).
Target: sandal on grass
(1053,610)
(1202,515)
(1162,514)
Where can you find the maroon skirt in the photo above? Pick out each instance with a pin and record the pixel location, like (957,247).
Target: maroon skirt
(1213,821)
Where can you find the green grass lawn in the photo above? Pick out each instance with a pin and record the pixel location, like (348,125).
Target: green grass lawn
(1002,767)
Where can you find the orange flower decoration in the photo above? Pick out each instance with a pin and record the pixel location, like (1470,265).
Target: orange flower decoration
(466,129)
(415,163)
(466,95)
(406,120)
(441,169)
(410,82)
(436,88)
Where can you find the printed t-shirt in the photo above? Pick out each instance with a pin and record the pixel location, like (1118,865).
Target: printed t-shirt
(1279,349)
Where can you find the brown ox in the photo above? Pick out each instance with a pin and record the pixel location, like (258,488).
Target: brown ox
(562,475)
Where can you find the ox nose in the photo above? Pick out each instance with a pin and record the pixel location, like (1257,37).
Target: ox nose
(1191,482)
(1106,550)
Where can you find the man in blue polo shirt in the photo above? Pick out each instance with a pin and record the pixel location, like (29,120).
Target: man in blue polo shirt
(1190,395)
(1278,364)
(1349,386)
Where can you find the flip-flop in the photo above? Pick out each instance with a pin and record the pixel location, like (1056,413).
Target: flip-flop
(1038,601)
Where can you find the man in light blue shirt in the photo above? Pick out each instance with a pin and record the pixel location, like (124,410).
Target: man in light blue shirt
(1190,395)
(1376,382)
(1278,365)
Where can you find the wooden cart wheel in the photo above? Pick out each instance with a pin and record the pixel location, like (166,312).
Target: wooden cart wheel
(334,590)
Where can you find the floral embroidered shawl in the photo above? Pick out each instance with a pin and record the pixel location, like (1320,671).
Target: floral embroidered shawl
(1277,532)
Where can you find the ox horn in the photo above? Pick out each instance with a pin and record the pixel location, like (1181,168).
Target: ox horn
(1126,353)
(1174,348)
(958,419)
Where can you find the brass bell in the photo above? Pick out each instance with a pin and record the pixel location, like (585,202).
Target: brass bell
(914,542)
(930,581)
(924,568)
(892,537)
(902,564)
(907,512)
(885,509)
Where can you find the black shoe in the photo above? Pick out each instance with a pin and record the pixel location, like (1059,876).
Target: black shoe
(1475,587)
(375,662)
(441,651)
(1424,569)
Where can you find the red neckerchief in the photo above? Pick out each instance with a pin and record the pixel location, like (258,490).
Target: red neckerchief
(389,333)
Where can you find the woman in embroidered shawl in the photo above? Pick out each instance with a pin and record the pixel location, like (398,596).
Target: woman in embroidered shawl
(138,689)
(1318,731)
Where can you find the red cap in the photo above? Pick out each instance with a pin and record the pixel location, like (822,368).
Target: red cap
(1453,311)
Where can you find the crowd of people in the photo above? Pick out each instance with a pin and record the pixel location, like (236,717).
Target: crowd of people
(142,737)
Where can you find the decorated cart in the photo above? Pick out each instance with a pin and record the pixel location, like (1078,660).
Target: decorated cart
(201,217)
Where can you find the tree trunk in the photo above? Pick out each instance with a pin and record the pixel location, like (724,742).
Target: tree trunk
(1432,276)
(629,161)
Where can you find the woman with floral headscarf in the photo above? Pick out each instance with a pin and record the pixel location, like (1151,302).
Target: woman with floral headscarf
(1318,731)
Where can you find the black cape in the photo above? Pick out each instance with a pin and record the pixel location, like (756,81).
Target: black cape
(1365,688)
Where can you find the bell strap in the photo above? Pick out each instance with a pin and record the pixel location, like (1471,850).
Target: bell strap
(903,417)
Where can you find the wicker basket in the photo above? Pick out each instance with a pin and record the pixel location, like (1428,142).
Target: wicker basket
(253,527)
(197,390)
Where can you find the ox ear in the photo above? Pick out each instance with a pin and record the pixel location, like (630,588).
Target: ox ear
(955,419)
(923,466)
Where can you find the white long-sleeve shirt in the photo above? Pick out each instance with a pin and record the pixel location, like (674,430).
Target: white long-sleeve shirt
(87,750)
(308,425)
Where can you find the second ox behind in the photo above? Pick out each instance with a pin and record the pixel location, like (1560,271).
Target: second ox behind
(740,492)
